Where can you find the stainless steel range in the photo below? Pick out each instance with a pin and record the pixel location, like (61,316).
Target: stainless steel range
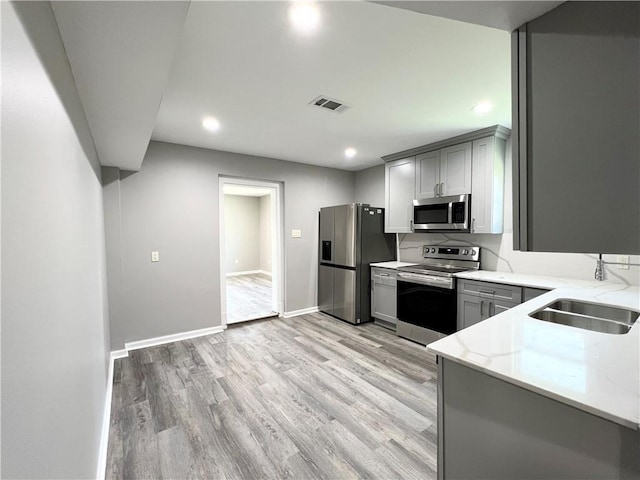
(427,292)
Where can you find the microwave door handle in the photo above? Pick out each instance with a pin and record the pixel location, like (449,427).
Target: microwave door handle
(450,212)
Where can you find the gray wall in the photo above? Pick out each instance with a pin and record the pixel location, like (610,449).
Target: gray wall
(171,206)
(265,234)
(370,186)
(55,339)
(242,233)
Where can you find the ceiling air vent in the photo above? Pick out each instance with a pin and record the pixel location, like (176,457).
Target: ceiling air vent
(329,103)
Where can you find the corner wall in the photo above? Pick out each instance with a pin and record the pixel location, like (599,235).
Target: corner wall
(171,206)
(55,331)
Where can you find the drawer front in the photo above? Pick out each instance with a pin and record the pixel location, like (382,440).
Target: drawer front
(499,291)
(385,276)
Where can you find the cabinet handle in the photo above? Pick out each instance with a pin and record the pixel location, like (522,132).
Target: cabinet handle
(494,309)
(473,224)
(481,308)
(435,190)
(484,292)
(441,188)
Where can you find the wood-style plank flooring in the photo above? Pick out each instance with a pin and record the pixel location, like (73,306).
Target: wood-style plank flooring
(307,397)
(248,297)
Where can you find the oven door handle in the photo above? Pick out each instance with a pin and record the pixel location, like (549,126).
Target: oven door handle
(433,281)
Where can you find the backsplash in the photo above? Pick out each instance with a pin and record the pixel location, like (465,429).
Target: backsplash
(497,254)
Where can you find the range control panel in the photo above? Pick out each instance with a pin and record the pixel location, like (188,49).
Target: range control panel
(452,252)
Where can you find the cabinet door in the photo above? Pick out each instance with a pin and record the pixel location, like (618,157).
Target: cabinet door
(427,174)
(383,302)
(399,193)
(471,310)
(455,169)
(499,306)
(487,187)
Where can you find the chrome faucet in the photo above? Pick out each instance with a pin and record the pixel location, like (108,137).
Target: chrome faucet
(599,275)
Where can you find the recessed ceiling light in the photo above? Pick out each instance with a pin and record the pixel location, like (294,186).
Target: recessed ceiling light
(482,108)
(211,124)
(350,152)
(304,16)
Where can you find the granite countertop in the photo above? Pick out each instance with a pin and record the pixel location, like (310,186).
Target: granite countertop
(596,372)
(394,264)
(528,280)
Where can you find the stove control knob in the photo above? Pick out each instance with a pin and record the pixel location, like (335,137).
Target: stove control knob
(473,252)
(433,250)
(465,251)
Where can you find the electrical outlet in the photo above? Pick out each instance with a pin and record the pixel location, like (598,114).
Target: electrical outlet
(624,259)
(155,256)
(296,233)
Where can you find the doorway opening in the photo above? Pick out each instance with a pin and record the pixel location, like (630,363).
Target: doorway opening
(251,262)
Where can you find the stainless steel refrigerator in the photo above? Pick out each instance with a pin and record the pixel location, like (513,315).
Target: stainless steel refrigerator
(351,237)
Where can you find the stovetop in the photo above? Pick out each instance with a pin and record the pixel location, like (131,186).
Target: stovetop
(446,260)
(425,267)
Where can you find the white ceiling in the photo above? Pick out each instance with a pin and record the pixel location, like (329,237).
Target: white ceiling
(153,70)
(120,55)
(502,15)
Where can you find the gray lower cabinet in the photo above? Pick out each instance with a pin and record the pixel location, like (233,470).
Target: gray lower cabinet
(489,428)
(383,295)
(529,292)
(478,301)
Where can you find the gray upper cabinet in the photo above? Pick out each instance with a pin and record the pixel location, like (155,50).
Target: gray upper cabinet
(398,195)
(455,170)
(444,172)
(576,118)
(487,185)
(428,174)
(470,163)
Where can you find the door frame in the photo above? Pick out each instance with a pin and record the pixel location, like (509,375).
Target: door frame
(277,241)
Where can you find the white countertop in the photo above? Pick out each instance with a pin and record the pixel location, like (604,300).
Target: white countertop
(595,372)
(527,280)
(394,265)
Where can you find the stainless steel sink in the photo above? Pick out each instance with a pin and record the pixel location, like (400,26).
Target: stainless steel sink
(596,310)
(588,316)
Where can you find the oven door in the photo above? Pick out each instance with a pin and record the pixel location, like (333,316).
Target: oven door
(427,306)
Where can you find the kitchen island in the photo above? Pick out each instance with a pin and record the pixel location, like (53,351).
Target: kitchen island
(525,398)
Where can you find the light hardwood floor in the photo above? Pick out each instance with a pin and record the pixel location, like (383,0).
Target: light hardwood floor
(307,397)
(249,297)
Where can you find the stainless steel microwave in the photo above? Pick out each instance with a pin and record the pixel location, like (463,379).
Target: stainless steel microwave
(442,214)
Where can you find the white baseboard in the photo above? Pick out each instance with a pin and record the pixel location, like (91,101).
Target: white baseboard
(176,337)
(149,342)
(106,417)
(246,272)
(303,311)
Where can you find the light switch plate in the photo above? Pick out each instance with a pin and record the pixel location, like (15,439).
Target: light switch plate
(296,233)
(624,259)
(155,256)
